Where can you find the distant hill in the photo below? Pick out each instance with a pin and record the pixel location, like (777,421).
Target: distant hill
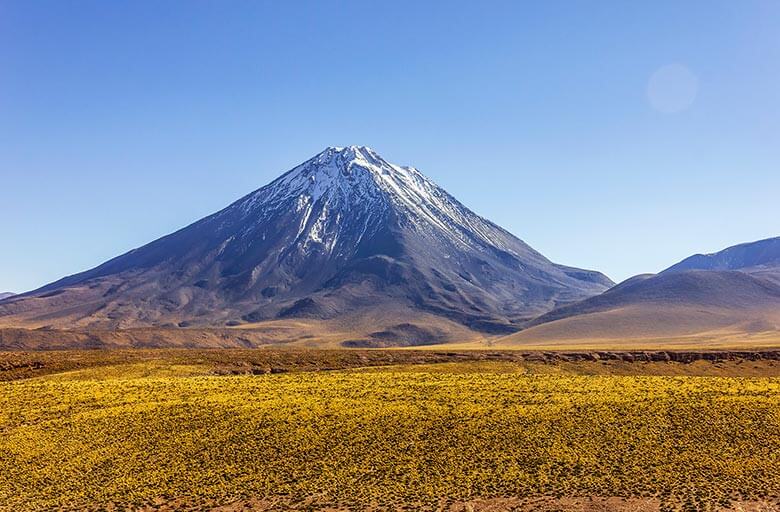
(347,241)
(5,295)
(748,257)
(732,293)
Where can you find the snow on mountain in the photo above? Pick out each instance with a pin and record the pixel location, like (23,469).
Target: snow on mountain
(356,181)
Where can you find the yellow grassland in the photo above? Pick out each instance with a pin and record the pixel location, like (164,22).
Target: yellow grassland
(142,433)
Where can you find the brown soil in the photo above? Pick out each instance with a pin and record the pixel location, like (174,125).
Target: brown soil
(21,365)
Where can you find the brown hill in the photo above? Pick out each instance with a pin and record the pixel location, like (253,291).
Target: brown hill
(682,306)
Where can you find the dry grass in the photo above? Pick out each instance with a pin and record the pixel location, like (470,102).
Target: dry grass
(154,433)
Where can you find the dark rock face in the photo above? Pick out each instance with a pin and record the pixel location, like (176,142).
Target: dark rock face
(344,232)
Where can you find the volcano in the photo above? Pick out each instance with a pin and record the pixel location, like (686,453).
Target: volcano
(343,236)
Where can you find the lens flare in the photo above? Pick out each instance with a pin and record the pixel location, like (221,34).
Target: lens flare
(672,88)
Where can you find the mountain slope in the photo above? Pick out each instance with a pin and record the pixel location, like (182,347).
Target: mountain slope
(5,295)
(340,237)
(731,293)
(747,257)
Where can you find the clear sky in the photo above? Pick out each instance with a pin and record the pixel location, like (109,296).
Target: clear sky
(620,136)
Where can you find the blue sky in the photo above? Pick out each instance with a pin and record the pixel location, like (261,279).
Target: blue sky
(608,135)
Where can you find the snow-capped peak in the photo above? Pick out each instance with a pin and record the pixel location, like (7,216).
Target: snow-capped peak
(351,173)
(356,182)
(355,155)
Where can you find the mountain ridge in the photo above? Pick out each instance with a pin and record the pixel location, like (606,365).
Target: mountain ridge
(749,256)
(736,290)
